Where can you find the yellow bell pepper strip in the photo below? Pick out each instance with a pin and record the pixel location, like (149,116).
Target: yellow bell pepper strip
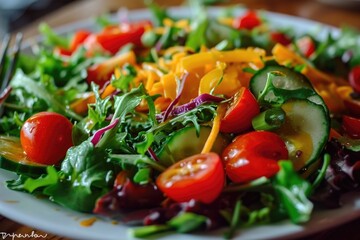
(198,60)
(233,79)
(169,83)
(215,129)
(212,79)
(101,73)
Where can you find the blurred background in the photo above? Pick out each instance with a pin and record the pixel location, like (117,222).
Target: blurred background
(19,15)
(15,14)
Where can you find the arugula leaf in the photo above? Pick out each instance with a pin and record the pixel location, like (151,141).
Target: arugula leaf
(51,178)
(142,176)
(20,80)
(97,111)
(124,81)
(292,192)
(143,146)
(123,105)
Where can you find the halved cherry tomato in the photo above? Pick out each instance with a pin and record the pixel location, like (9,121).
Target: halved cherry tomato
(241,110)
(354,78)
(279,37)
(112,38)
(351,126)
(45,137)
(200,177)
(249,21)
(306,46)
(253,155)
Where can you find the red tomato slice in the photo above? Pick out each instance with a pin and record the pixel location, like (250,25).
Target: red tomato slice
(112,38)
(62,51)
(45,137)
(354,78)
(249,21)
(353,107)
(241,110)
(78,39)
(279,37)
(306,46)
(200,177)
(351,126)
(254,155)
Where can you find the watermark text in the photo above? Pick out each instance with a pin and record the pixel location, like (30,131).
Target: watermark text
(15,236)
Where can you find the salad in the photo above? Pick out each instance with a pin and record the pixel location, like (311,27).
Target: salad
(189,124)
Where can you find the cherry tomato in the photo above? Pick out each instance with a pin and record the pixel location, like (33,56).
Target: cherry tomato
(249,21)
(351,126)
(45,137)
(279,37)
(200,177)
(354,78)
(78,38)
(353,106)
(253,155)
(112,38)
(306,46)
(241,110)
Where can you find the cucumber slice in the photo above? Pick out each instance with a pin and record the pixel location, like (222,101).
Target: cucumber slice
(291,81)
(305,131)
(185,143)
(13,158)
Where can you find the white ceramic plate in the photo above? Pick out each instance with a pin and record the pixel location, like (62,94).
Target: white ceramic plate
(49,217)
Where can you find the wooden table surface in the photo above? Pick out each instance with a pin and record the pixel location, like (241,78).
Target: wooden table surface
(336,16)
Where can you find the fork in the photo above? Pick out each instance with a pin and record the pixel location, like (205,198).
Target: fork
(5,89)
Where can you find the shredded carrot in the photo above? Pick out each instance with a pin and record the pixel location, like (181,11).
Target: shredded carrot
(215,129)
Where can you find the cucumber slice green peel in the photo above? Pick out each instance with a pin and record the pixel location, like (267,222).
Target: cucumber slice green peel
(307,123)
(187,142)
(13,158)
(305,131)
(275,95)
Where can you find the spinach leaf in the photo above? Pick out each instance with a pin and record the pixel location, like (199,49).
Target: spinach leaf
(85,175)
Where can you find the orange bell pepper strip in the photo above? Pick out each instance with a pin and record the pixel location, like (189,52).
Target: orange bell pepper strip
(80,106)
(101,73)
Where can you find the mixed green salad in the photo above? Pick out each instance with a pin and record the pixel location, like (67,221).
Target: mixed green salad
(188,124)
